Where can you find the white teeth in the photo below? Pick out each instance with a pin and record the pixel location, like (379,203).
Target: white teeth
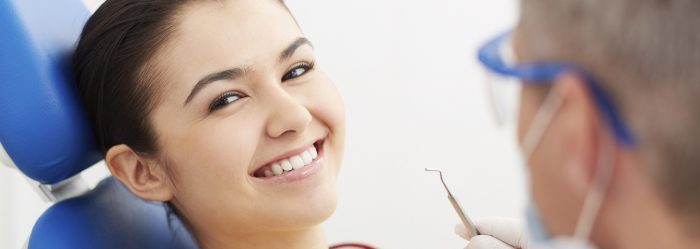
(286,165)
(306,157)
(297,162)
(277,164)
(294,162)
(276,169)
(313,152)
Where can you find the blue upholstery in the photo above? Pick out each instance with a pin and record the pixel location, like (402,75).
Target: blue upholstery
(109,217)
(46,134)
(42,126)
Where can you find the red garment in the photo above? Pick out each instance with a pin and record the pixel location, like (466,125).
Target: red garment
(351,246)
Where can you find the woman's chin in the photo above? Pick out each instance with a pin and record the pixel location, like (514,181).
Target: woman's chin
(302,213)
(314,214)
(300,202)
(317,205)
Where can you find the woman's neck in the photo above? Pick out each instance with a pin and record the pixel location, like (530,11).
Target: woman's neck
(311,238)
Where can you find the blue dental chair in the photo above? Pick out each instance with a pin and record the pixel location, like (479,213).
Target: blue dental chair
(44,134)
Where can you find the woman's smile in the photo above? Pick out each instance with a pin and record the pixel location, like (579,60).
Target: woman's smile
(296,165)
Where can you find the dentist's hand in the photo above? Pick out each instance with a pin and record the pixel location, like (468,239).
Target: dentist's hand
(496,233)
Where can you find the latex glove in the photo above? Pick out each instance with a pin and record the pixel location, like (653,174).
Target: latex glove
(496,233)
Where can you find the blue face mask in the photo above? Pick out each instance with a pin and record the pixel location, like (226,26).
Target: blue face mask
(537,232)
(540,238)
(538,235)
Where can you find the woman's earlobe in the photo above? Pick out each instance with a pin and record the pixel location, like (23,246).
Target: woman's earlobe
(141,175)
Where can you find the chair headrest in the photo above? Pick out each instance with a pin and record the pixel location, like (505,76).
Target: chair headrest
(109,217)
(42,124)
(44,131)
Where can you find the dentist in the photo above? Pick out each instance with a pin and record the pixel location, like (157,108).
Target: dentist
(607,99)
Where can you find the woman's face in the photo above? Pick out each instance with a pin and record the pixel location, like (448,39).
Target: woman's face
(242,114)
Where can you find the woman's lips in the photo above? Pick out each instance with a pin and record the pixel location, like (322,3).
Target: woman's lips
(295,176)
(292,163)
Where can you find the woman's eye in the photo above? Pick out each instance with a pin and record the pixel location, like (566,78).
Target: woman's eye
(224,100)
(297,71)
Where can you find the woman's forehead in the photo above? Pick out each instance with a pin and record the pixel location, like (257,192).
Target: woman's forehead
(232,31)
(215,35)
(234,21)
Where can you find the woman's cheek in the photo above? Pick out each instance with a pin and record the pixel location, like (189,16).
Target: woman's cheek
(221,150)
(331,112)
(330,104)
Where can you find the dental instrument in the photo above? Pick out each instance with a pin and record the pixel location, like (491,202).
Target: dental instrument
(468,224)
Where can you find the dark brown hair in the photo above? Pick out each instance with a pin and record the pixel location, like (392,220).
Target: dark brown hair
(111,76)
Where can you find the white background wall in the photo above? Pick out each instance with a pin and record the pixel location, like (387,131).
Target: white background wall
(415,98)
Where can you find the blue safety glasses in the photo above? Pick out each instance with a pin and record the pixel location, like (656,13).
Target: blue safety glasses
(506,76)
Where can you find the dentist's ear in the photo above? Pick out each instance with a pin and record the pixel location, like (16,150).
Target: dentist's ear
(143,176)
(582,130)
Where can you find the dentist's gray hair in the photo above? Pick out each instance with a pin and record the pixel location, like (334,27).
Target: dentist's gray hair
(647,55)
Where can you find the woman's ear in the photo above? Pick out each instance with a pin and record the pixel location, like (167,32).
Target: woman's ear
(143,176)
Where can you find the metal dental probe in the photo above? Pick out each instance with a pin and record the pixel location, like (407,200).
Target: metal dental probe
(468,224)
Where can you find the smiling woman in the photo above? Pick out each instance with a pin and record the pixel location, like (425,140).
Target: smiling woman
(218,109)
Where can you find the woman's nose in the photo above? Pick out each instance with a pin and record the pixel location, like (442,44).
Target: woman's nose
(286,115)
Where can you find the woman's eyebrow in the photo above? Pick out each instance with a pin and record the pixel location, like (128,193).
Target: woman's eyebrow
(234,73)
(230,74)
(289,51)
